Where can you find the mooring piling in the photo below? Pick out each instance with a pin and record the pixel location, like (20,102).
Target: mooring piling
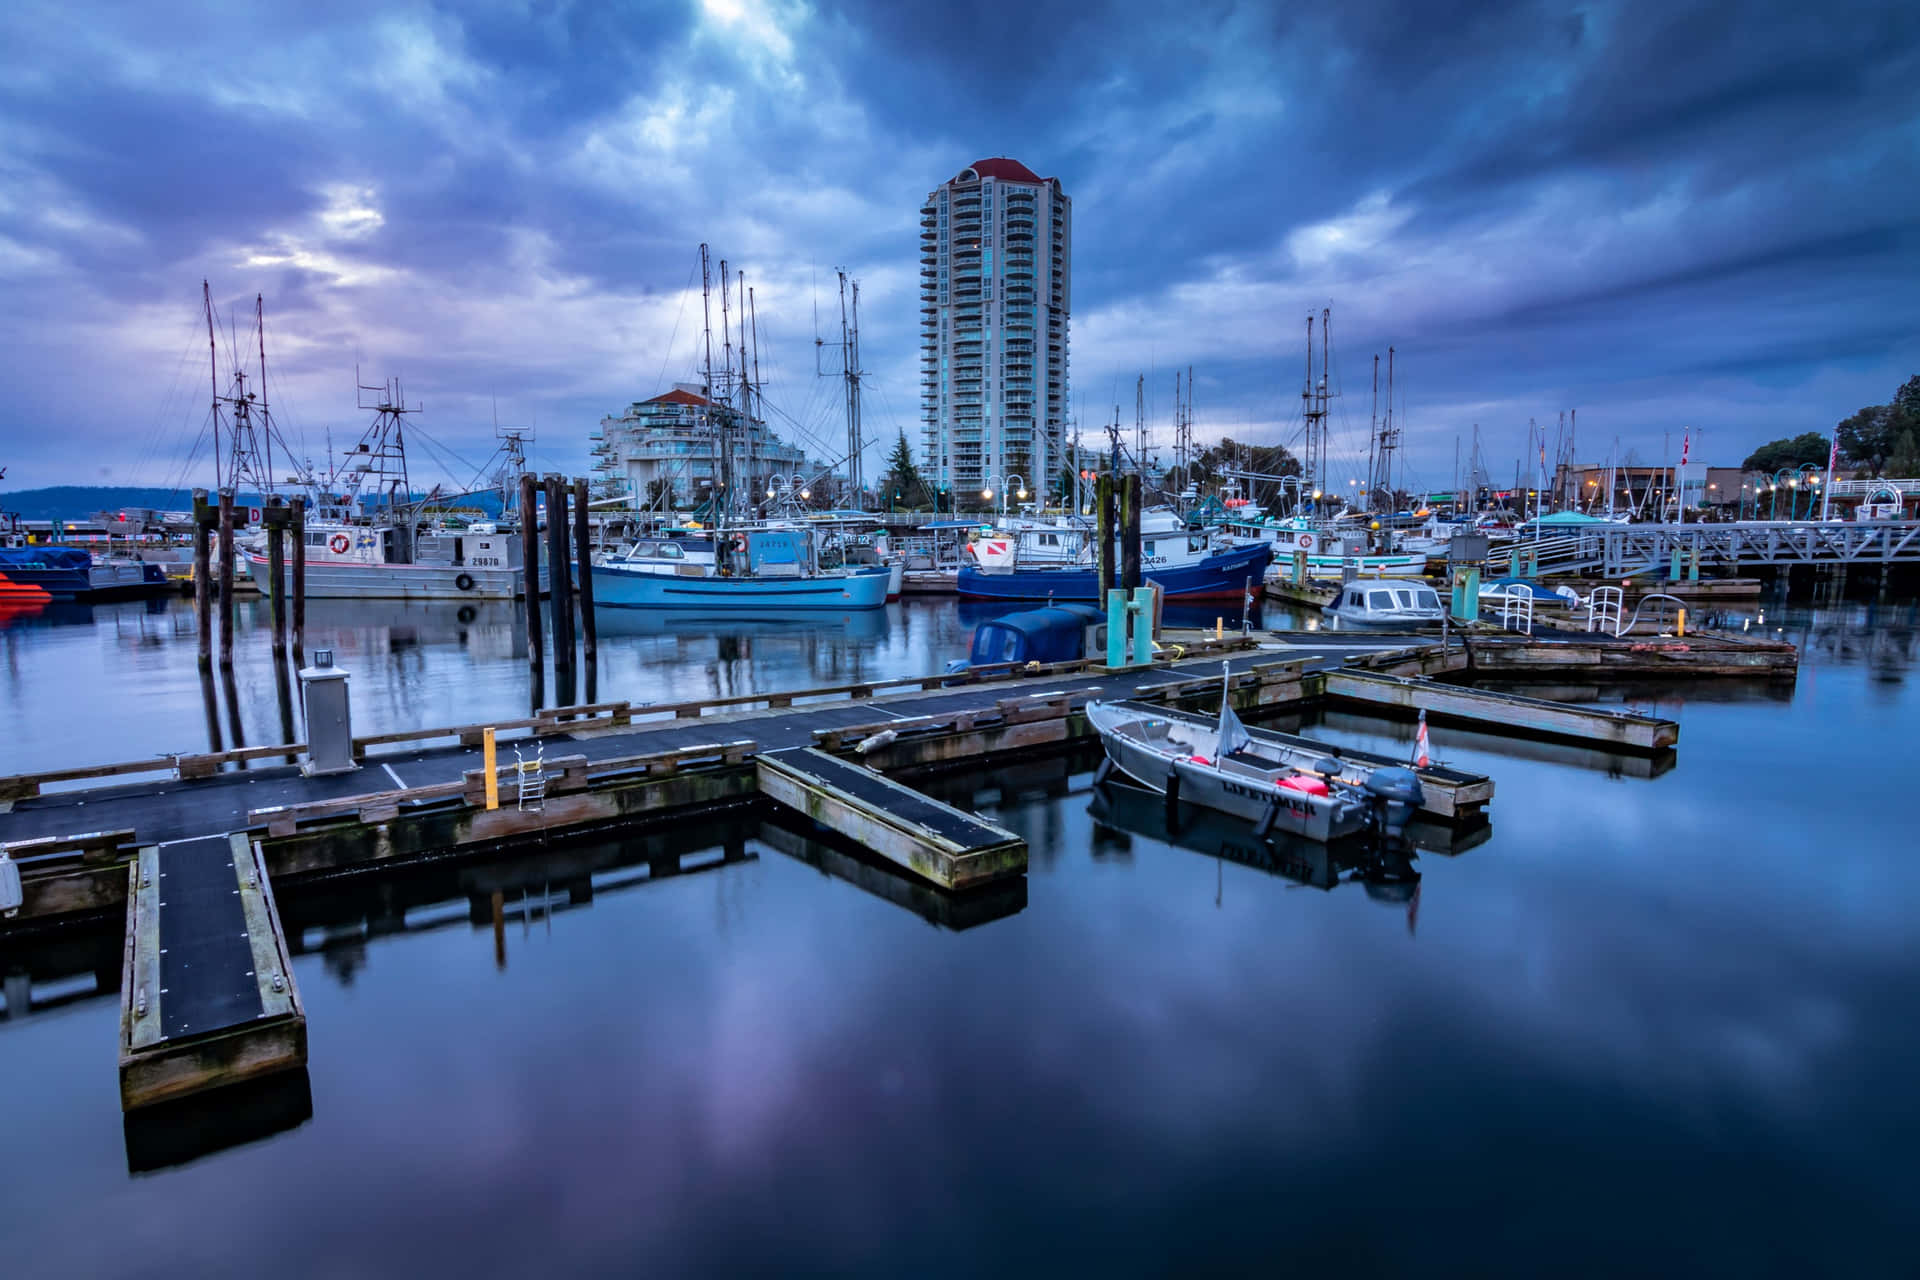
(299,529)
(530,567)
(1103,502)
(559,578)
(583,556)
(275,515)
(226,577)
(1130,576)
(203,521)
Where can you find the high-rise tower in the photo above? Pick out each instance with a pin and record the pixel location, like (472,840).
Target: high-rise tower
(996,257)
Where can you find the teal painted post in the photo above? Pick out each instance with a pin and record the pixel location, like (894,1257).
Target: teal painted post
(1142,610)
(1693,564)
(1466,593)
(1673,566)
(1513,563)
(1116,628)
(1299,568)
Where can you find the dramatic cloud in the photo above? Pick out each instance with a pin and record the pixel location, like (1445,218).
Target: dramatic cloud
(1671,218)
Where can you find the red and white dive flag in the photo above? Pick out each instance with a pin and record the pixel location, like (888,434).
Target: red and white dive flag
(1420,758)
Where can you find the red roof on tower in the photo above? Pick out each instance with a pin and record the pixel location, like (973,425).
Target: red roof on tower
(678,397)
(1008,170)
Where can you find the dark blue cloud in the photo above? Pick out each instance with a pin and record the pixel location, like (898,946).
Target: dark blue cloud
(1671,216)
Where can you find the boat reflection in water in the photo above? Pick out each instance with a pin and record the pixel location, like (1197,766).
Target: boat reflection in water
(1383,868)
(855,624)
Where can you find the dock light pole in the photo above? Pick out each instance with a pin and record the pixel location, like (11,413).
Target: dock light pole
(989,485)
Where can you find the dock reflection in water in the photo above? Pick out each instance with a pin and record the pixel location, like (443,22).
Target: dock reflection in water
(1667,996)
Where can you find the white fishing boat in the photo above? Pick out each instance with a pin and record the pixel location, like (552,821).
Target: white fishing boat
(1387,602)
(1224,768)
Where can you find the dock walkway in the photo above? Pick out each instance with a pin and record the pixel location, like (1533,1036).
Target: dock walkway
(171,809)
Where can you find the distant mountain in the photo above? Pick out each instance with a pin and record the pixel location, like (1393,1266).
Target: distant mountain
(77,501)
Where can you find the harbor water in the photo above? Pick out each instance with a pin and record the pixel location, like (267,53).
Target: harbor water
(1657,1018)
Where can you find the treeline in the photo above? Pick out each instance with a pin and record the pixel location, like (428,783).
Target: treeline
(1882,439)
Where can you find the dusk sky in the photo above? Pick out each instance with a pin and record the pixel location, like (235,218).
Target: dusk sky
(1671,217)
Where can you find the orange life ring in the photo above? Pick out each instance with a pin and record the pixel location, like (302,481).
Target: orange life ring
(339,543)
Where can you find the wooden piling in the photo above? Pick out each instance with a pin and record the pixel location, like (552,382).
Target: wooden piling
(275,516)
(203,519)
(559,577)
(299,530)
(530,567)
(1103,502)
(226,577)
(583,557)
(1130,575)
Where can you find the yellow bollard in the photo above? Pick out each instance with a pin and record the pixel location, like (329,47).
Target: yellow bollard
(487,762)
(1219,628)
(1682,628)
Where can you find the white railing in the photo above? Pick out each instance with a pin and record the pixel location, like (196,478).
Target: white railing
(1604,609)
(1516,611)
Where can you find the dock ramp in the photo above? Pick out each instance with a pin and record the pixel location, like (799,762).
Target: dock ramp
(1504,712)
(948,846)
(208,998)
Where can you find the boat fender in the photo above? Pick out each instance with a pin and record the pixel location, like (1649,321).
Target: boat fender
(339,543)
(875,742)
(464,582)
(10,895)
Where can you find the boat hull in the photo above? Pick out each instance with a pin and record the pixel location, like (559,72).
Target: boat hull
(399,581)
(616,588)
(1226,576)
(1297,812)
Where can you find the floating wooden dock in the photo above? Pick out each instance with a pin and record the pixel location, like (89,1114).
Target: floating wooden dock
(952,848)
(1620,729)
(207,995)
(420,794)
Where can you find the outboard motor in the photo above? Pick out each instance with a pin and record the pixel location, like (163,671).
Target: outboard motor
(1397,797)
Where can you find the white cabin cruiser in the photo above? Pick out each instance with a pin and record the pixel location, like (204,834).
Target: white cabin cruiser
(1387,602)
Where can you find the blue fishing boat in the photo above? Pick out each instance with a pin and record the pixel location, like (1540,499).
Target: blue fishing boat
(64,573)
(1220,575)
(764,570)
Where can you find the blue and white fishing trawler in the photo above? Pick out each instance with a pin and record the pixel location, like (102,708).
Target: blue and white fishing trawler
(1226,573)
(754,569)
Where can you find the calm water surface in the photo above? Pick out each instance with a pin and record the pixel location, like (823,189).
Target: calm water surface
(1651,1024)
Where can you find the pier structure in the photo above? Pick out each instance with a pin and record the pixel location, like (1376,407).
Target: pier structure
(1624,550)
(192,858)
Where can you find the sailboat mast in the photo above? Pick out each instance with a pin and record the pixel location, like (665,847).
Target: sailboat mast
(715,500)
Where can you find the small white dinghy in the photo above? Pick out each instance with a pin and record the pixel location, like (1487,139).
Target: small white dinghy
(1222,767)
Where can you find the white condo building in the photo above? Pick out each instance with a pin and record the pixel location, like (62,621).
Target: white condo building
(996,257)
(670,440)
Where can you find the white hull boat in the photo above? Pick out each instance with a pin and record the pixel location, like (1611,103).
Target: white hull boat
(1222,768)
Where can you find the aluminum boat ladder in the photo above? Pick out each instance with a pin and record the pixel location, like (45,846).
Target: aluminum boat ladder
(532,779)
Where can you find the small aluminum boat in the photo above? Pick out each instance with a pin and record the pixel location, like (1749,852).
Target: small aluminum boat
(1223,768)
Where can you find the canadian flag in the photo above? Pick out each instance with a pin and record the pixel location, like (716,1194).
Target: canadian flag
(1420,757)
(1685,441)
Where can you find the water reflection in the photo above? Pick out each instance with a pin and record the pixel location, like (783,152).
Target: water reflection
(1385,869)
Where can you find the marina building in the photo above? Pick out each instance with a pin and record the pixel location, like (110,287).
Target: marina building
(668,441)
(996,257)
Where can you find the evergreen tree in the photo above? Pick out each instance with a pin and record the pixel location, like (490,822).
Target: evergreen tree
(904,485)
